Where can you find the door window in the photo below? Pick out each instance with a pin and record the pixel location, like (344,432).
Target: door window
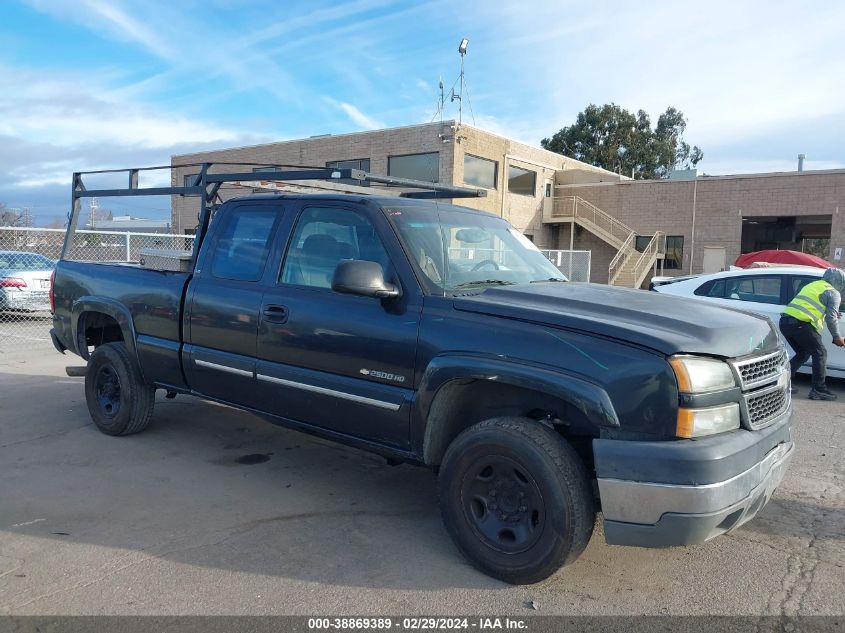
(241,250)
(325,236)
(761,289)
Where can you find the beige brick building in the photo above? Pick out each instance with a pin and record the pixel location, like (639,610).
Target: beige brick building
(519,178)
(632,228)
(722,216)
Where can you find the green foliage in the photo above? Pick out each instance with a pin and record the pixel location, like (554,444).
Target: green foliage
(617,140)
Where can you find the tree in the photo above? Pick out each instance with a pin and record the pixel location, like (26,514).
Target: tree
(14,217)
(615,139)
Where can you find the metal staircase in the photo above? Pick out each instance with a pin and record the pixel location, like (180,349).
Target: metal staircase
(629,266)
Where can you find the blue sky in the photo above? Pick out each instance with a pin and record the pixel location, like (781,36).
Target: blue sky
(89,84)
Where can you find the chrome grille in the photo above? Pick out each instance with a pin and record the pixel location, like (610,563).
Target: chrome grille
(763,408)
(760,370)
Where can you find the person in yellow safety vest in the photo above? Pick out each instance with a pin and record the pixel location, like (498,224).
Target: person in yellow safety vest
(802,323)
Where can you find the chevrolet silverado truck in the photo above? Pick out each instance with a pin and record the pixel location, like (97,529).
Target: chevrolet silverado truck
(440,336)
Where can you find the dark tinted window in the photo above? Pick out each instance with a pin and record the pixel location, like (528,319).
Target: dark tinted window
(712,288)
(759,289)
(415,166)
(479,171)
(242,247)
(325,236)
(674,259)
(521,181)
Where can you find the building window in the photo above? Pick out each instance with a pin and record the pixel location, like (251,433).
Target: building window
(258,169)
(642,242)
(356,163)
(480,172)
(548,190)
(415,166)
(188,180)
(521,181)
(674,259)
(674,252)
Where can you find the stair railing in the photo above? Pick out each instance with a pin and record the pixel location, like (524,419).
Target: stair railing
(656,247)
(625,252)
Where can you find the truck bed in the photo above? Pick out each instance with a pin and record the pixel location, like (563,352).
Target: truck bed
(151,299)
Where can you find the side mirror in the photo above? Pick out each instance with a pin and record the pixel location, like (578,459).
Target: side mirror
(360,277)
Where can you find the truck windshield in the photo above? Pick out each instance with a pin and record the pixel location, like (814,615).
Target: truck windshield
(456,250)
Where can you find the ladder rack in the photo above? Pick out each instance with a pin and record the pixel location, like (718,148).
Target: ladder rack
(206,186)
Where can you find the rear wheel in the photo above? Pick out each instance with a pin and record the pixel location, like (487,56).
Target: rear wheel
(516,499)
(118,400)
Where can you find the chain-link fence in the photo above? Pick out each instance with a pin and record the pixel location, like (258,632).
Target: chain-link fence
(28,256)
(27,259)
(574,264)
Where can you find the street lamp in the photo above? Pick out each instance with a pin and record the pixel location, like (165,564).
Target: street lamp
(462,47)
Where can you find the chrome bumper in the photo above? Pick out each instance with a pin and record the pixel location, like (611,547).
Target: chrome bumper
(660,515)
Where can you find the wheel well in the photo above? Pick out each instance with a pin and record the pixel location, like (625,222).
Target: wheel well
(97,328)
(461,403)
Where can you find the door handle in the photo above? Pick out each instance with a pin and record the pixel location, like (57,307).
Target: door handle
(275,314)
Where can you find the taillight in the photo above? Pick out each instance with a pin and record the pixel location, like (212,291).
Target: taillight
(52,296)
(12,282)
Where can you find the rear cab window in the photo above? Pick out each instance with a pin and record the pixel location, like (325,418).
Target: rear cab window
(243,242)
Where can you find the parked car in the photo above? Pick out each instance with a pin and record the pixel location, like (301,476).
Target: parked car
(763,291)
(25,281)
(533,398)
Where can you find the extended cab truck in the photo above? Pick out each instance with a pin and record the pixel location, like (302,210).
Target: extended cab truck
(440,336)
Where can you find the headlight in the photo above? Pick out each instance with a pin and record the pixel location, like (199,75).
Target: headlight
(701,375)
(700,422)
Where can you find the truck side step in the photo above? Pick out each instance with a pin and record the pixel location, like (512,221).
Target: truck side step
(76,372)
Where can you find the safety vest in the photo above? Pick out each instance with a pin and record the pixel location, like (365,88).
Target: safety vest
(807,306)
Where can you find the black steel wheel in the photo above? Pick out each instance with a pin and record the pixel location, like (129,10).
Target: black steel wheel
(516,499)
(118,400)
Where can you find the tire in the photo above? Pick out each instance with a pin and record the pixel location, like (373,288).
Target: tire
(516,499)
(118,401)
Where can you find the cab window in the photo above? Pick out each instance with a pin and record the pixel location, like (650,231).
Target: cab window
(325,236)
(241,250)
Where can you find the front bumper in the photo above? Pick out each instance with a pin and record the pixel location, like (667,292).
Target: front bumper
(665,513)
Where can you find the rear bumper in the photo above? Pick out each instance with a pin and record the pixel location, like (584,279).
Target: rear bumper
(25,301)
(663,514)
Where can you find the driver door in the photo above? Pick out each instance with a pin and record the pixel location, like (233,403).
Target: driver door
(338,361)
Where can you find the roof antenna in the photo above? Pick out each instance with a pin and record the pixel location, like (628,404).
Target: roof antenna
(462,49)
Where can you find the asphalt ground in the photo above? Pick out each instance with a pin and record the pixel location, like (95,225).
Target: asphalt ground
(214,511)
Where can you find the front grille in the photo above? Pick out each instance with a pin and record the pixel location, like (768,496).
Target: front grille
(760,370)
(762,408)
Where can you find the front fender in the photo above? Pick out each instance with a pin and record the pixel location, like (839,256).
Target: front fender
(109,307)
(587,397)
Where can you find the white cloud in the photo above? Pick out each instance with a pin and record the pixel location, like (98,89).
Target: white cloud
(355,115)
(71,110)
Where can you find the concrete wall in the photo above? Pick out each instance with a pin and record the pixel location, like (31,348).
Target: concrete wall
(719,203)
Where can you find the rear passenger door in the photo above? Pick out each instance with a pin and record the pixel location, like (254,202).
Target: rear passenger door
(761,294)
(223,303)
(339,361)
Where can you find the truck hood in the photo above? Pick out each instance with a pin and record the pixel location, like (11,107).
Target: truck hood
(670,325)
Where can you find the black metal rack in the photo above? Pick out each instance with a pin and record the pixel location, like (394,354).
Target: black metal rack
(207,185)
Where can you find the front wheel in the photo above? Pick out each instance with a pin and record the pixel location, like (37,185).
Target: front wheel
(516,499)
(118,400)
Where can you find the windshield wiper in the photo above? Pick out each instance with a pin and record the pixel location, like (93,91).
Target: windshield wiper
(485,282)
(540,281)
